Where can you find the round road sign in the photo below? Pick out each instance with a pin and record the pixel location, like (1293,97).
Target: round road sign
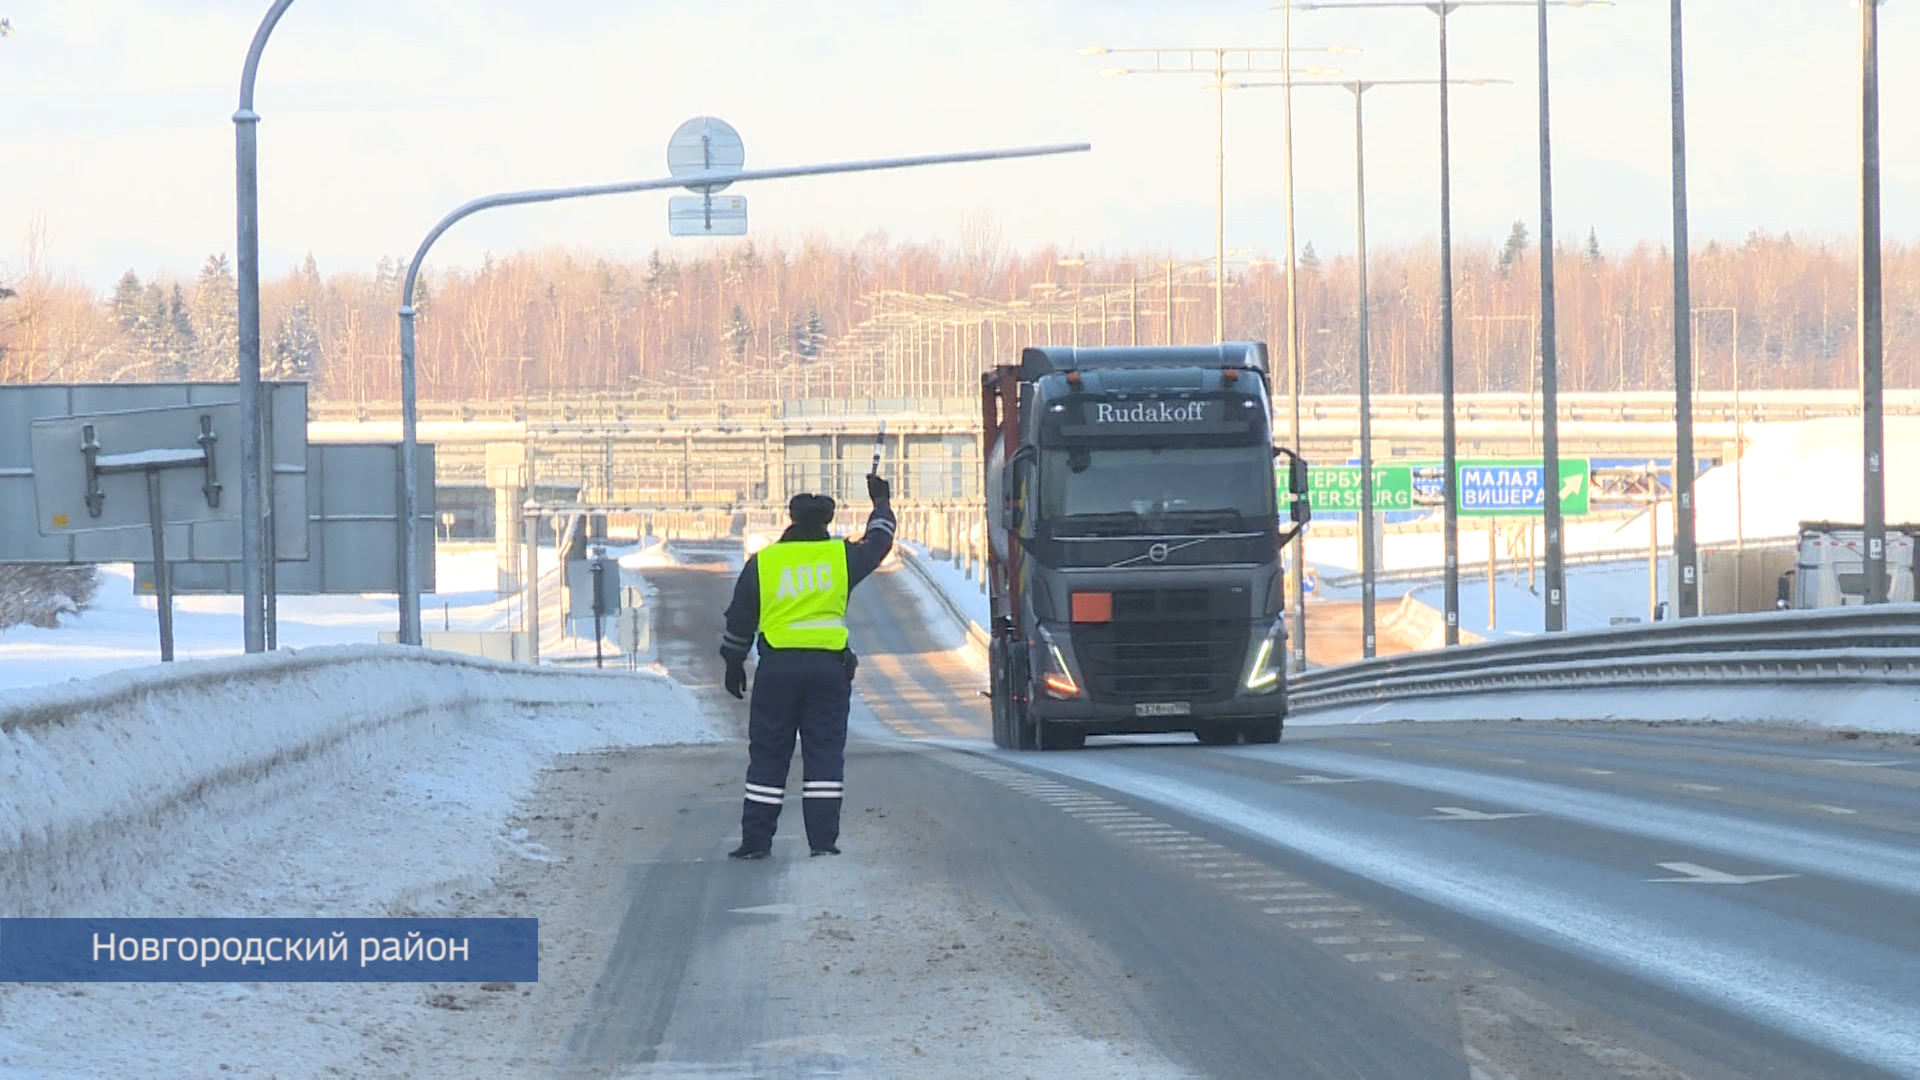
(705,144)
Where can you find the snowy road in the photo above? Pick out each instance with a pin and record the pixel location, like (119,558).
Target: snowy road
(1378,901)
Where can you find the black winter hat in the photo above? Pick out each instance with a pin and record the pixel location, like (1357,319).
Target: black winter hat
(811,511)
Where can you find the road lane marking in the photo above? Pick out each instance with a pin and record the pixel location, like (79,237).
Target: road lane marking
(1315,778)
(1333,924)
(1368,939)
(1832,809)
(1859,763)
(1511,760)
(1597,772)
(1695,874)
(1461,813)
(1311,909)
(1697,787)
(1376,957)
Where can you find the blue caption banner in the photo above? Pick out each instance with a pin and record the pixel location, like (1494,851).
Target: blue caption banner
(269,950)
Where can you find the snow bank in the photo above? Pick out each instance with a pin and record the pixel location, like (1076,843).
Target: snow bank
(1791,473)
(349,781)
(120,630)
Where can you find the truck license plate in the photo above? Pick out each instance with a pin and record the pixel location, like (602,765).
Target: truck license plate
(1162,708)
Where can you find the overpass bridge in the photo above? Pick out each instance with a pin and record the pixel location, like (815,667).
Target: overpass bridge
(705,468)
(699,454)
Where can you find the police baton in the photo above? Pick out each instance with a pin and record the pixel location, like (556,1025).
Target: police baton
(879,444)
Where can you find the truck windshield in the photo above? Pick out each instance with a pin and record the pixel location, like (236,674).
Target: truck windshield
(1125,489)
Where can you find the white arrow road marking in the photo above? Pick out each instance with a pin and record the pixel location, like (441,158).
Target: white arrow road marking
(1859,763)
(1695,874)
(763,909)
(1313,778)
(1461,813)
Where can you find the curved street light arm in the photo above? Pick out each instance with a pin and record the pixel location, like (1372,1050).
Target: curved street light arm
(409,420)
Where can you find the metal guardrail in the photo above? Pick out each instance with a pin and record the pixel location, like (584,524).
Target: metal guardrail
(1841,646)
(976,635)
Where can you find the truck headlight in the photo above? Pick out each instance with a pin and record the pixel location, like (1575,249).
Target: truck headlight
(1056,678)
(1268,659)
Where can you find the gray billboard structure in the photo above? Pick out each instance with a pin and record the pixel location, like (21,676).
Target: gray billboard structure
(353,530)
(328,529)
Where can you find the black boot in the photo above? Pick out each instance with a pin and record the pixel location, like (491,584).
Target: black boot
(746,852)
(826,849)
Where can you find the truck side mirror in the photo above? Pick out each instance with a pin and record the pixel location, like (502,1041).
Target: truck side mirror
(1296,472)
(1783,598)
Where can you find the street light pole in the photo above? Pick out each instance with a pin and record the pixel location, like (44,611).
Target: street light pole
(1450,515)
(1450,458)
(1556,615)
(1366,375)
(1872,433)
(1296,373)
(254,569)
(410,495)
(1220,196)
(1358,88)
(1685,553)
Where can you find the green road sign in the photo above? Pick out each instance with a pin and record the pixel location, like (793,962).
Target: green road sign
(1337,488)
(1507,487)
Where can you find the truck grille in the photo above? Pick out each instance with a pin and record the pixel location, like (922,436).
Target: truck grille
(1165,645)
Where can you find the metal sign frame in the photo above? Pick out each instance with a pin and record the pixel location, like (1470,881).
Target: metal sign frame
(21,405)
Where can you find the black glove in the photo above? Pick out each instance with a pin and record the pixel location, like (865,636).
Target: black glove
(878,490)
(736,677)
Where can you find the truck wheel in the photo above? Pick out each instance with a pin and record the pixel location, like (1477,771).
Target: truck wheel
(1218,735)
(1056,737)
(1262,731)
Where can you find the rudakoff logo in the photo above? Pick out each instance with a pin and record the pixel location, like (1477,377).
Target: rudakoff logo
(1155,412)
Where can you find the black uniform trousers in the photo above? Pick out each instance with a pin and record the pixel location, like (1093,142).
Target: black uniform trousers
(804,692)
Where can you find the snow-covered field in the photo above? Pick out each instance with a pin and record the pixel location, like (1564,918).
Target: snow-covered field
(347,781)
(1596,595)
(1791,473)
(122,630)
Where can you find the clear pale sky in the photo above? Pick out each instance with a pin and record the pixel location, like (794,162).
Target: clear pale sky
(380,115)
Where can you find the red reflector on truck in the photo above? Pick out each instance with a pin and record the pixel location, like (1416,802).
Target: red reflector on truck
(1092,607)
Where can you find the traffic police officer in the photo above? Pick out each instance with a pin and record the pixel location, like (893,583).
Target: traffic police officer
(792,595)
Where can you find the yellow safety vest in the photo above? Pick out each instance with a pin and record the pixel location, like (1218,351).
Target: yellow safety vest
(803,594)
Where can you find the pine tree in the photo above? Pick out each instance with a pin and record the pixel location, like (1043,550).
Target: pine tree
(126,301)
(1517,240)
(181,342)
(739,333)
(1594,256)
(296,344)
(216,316)
(1309,260)
(816,333)
(661,274)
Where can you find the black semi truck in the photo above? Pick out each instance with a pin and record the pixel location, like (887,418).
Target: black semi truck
(1135,538)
